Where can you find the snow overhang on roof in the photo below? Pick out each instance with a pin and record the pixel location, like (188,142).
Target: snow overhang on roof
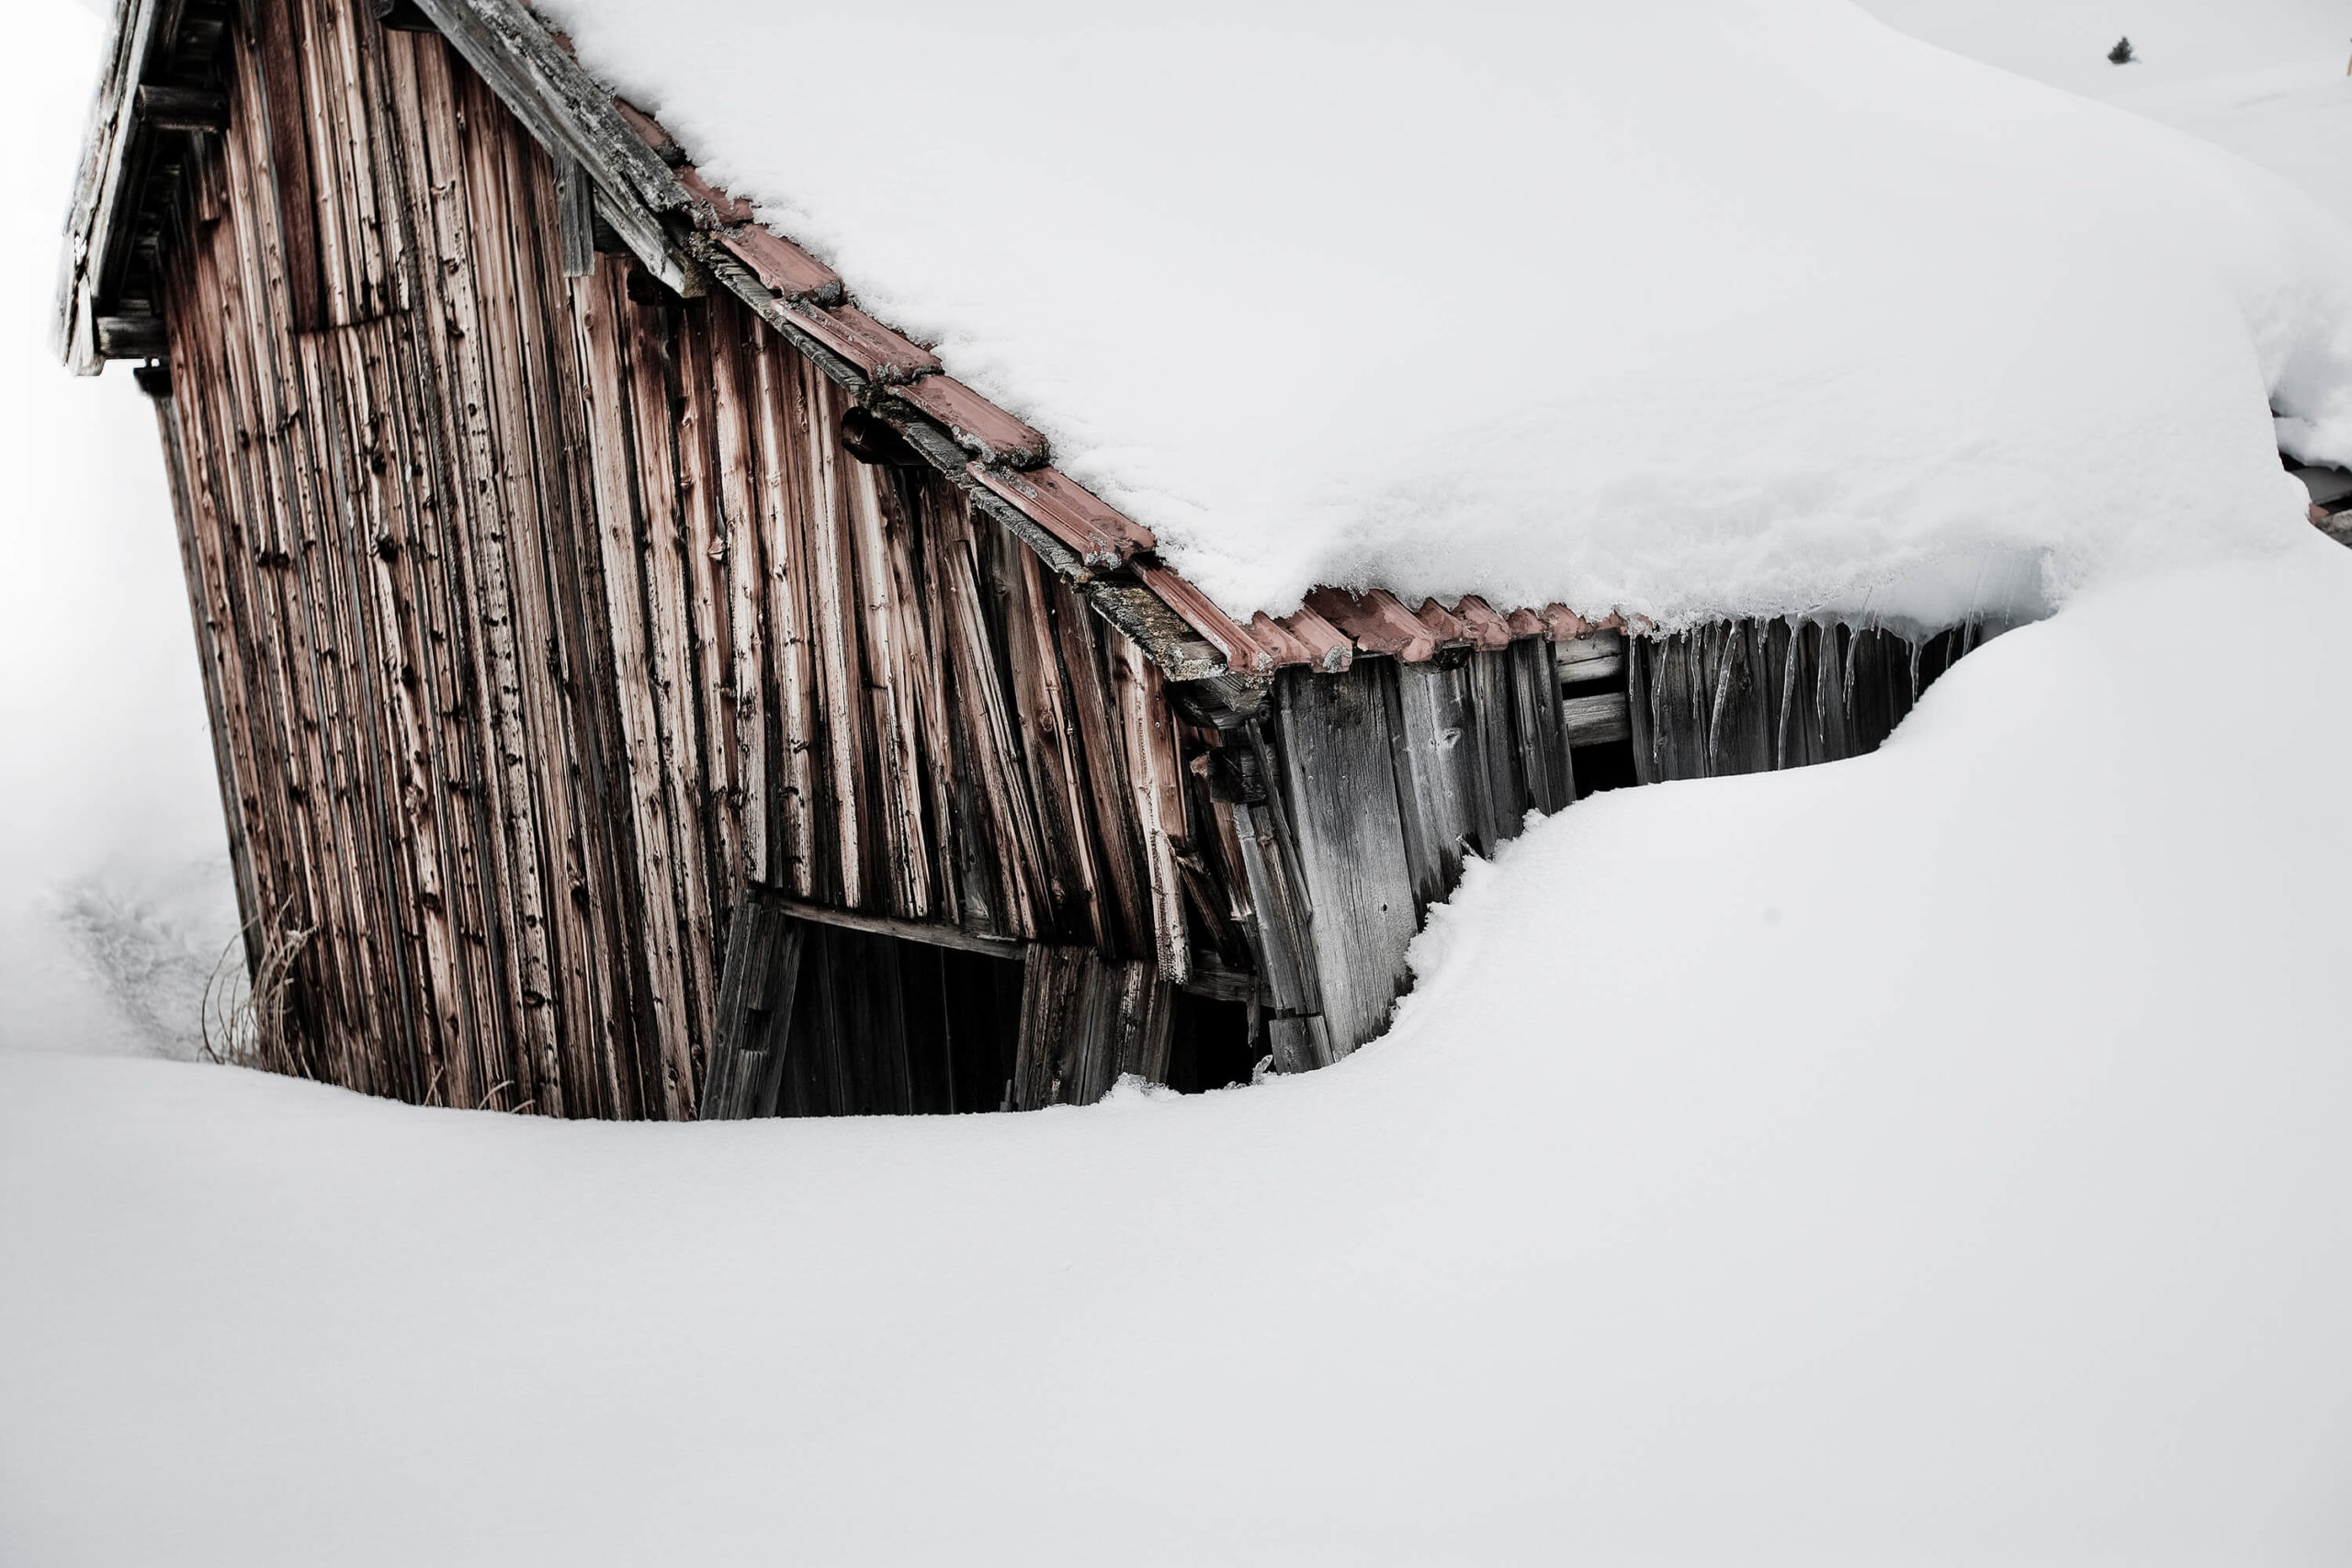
(694,235)
(1810,360)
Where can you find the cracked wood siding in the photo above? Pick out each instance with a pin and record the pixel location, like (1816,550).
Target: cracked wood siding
(537,619)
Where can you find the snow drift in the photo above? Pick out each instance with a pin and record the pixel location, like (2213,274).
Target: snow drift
(1936,1157)
(1691,309)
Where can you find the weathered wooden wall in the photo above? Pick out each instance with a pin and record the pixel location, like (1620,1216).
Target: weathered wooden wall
(595,717)
(1351,812)
(539,617)
(1751,697)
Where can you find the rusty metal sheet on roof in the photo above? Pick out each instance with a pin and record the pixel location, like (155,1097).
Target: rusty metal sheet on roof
(975,423)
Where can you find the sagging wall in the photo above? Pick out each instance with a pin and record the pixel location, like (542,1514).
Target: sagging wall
(537,619)
(1351,813)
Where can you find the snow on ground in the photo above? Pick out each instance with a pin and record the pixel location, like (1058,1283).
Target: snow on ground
(2266,81)
(1682,308)
(1936,1157)
(114,893)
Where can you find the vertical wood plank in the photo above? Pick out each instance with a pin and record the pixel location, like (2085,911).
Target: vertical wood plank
(762,973)
(1339,781)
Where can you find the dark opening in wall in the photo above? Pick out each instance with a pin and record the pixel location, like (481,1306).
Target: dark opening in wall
(882,1025)
(1210,1047)
(1592,705)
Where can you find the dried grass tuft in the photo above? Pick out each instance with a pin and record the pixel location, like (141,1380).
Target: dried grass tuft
(249,1021)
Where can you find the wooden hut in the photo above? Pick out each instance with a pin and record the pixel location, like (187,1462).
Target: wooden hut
(645,685)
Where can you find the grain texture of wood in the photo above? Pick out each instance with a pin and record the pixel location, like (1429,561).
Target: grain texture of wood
(761,974)
(1339,785)
(1596,720)
(1441,786)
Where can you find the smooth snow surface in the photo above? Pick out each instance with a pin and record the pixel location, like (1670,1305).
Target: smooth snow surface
(1688,308)
(2264,78)
(1936,1157)
(1932,1159)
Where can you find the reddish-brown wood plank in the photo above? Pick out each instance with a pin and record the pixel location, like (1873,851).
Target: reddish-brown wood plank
(1562,624)
(975,424)
(779,412)
(783,266)
(880,353)
(1200,612)
(738,562)
(1485,628)
(834,648)
(1328,650)
(1378,623)
(1075,515)
(727,208)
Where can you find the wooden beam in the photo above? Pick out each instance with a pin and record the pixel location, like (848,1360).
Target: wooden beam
(1053,983)
(130,337)
(94,228)
(1596,655)
(906,931)
(184,108)
(975,424)
(1596,720)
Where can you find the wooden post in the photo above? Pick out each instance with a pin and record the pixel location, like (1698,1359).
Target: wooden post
(755,995)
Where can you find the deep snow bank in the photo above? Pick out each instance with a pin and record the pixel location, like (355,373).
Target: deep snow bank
(1933,1158)
(1706,306)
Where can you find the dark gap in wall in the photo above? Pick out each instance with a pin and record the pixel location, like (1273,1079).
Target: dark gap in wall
(1210,1047)
(885,1026)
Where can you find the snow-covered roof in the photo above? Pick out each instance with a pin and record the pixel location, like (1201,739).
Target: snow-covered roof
(1676,310)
